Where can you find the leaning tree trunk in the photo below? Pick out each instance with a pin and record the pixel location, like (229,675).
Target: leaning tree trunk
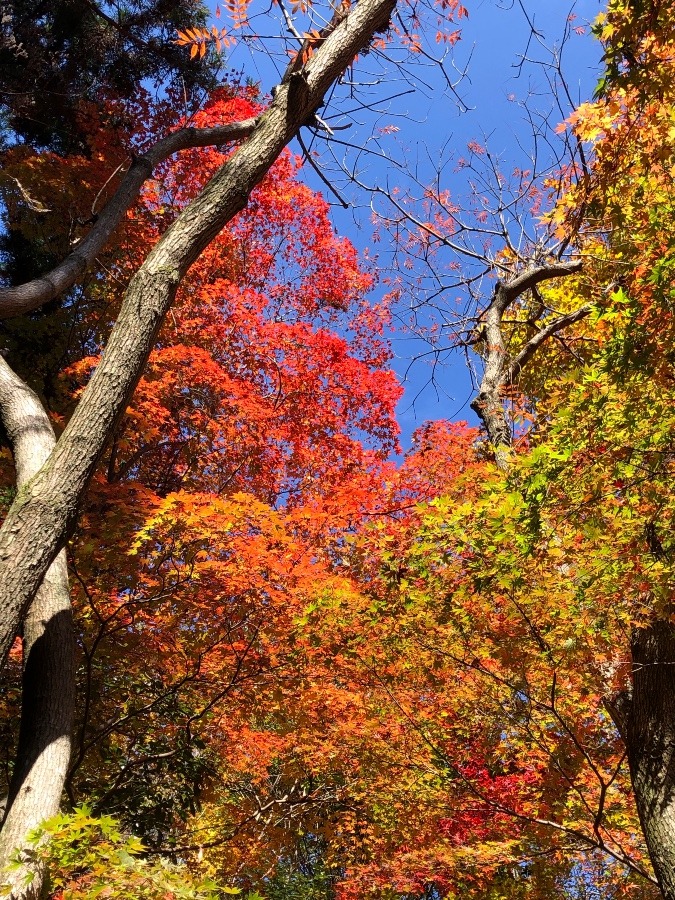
(48,690)
(46,506)
(648,728)
(37,524)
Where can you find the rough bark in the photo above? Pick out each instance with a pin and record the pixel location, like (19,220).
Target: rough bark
(48,684)
(648,726)
(488,404)
(500,369)
(38,522)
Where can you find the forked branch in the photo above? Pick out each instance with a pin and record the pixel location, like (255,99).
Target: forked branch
(500,370)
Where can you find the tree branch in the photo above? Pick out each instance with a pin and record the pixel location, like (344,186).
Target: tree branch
(28,297)
(519,362)
(498,372)
(37,524)
(532,277)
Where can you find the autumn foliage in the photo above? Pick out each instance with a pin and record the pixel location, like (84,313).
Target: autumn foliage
(308,669)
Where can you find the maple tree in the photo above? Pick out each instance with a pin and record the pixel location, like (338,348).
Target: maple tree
(629,199)
(516,634)
(315,412)
(634,133)
(544,595)
(304,669)
(247,362)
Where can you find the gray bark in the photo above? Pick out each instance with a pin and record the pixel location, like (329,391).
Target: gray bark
(46,507)
(48,684)
(500,369)
(488,404)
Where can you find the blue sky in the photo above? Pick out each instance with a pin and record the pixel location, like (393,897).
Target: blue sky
(494,39)
(432,124)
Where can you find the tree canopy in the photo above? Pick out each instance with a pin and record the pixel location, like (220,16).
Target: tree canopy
(252,649)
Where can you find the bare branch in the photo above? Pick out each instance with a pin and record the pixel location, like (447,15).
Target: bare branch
(532,277)
(520,361)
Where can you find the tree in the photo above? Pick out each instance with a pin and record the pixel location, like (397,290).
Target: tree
(46,506)
(86,45)
(635,142)
(247,362)
(567,552)
(632,185)
(504,770)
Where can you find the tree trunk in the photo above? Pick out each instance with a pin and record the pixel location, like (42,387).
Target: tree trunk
(488,403)
(501,368)
(649,731)
(37,524)
(48,689)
